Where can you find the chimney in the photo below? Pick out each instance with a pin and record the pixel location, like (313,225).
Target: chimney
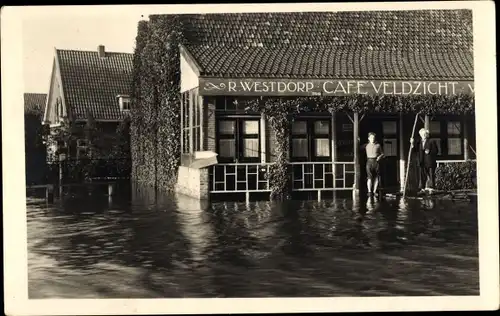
(101,51)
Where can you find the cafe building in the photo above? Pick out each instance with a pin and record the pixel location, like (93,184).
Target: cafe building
(364,63)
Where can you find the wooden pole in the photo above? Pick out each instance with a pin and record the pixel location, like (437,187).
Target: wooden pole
(401,154)
(356,151)
(182,123)
(409,154)
(263,138)
(334,148)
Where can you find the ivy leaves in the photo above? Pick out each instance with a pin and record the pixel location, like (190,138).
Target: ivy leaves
(427,104)
(155,122)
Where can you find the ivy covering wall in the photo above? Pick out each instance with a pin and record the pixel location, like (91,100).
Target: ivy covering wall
(155,126)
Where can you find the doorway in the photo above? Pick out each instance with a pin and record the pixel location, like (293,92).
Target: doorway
(386,129)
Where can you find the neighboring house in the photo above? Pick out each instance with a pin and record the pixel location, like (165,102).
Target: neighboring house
(83,85)
(34,106)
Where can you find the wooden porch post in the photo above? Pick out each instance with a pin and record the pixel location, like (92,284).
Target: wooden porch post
(182,123)
(356,152)
(402,160)
(201,114)
(466,142)
(427,122)
(334,139)
(191,108)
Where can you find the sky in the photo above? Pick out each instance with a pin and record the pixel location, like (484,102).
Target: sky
(43,31)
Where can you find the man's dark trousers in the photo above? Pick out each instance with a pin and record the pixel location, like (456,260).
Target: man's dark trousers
(426,162)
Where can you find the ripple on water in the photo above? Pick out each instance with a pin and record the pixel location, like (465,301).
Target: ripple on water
(87,248)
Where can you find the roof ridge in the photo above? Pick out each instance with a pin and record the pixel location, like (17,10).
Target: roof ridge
(89,51)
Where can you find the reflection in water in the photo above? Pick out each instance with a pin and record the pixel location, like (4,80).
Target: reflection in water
(144,244)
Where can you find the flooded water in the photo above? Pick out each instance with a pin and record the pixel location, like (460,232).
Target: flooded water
(142,245)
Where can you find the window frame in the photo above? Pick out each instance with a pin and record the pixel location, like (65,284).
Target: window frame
(86,148)
(459,136)
(239,137)
(311,136)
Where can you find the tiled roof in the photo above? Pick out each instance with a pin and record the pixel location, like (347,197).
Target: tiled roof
(91,83)
(34,103)
(424,44)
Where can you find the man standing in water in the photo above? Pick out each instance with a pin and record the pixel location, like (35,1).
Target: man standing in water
(427,151)
(373,155)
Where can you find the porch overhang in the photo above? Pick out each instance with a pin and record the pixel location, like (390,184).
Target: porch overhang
(330,87)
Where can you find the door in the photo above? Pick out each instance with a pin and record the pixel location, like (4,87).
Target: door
(390,165)
(386,130)
(238,140)
(310,143)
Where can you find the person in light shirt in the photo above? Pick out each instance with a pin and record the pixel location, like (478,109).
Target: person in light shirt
(427,151)
(373,155)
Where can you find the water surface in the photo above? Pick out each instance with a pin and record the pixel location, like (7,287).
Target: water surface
(142,245)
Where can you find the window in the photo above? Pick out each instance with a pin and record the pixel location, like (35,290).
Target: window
(389,128)
(299,140)
(232,105)
(310,140)
(126,105)
(448,137)
(250,139)
(322,138)
(82,149)
(191,116)
(227,139)
(454,142)
(238,139)
(435,134)
(196,121)
(185,123)
(124,102)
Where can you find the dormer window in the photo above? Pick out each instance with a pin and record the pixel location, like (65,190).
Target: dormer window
(124,102)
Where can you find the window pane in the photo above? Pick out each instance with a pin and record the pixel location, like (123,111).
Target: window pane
(230,103)
(389,128)
(299,147)
(195,113)
(322,127)
(454,146)
(226,148)
(251,127)
(454,128)
(226,127)
(322,147)
(299,127)
(435,128)
(197,139)
(390,147)
(251,147)
(438,143)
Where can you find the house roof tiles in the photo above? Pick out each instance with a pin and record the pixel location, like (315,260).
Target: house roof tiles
(34,103)
(92,83)
(406,45)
